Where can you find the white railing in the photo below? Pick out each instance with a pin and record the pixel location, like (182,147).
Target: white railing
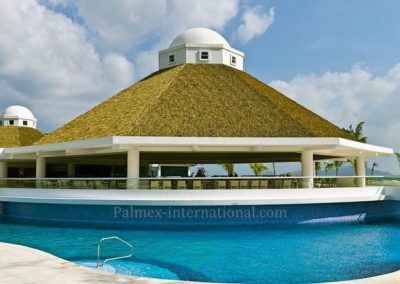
(198,183)
(99,263)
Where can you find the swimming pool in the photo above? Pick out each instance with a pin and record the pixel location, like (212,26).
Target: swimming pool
(274,254)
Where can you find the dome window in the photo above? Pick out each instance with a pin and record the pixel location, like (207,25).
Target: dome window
(204,56)
(171,58)
(199,46)
(233,60)
(18,116)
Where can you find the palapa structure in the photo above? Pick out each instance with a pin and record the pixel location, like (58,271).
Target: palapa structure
(18,136)
(197,100)
(200,107)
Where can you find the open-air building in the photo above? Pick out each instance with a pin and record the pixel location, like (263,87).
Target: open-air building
(199,108)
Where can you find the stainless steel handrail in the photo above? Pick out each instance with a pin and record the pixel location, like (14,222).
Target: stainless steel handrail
(112,258)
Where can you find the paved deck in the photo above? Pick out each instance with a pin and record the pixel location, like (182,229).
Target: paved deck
(24,265)
(391,278)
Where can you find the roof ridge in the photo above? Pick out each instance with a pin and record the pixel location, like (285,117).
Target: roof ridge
(291,114)
(19,136)
(178,70)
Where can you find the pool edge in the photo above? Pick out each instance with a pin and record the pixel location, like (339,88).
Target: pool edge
(19,262)
(22,264)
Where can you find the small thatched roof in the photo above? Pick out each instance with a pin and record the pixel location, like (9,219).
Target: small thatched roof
(200,100)
(16,136)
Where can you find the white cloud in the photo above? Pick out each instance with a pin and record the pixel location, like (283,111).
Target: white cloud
(255,23)
(60,57)
(47,63)
(350,97)
(147,61)
(125,24)
(145,27)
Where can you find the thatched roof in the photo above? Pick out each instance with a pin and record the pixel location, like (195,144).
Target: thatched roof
(197,100)
(15,136)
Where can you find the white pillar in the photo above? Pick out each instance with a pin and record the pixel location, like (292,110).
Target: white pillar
(3,170)
(360,171)
(71,170)
(307,169)
(40,167)
(133,164)
(133,168)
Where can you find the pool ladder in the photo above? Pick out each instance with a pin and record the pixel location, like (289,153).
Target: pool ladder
(99,263)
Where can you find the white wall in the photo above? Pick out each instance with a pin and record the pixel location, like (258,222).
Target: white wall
(18,122)
(192,197)
(191,55)
(226,59)
(180,58)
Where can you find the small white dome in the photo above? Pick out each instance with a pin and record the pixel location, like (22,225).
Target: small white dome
(18,112)
(199,36)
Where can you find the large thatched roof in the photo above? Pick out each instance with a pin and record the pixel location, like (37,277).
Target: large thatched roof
(14,136)
(200,100)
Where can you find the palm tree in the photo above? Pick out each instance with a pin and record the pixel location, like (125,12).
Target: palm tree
(273,167)
(317,167)
(353,163)
(373,168)
(258,168)
(334,165)
(357,132)
(229,168)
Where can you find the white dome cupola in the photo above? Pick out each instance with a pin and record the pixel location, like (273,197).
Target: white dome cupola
(18,116)
(200,46)
(198,36)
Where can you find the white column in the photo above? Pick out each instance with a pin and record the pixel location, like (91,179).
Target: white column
(307,169)
(133,164)
(133,168)
(3,170)
(360,171)
(40,167)
(71,170)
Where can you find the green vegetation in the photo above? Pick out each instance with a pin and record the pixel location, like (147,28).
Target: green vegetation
(318,167)
(374,165)
(336,165)
(258,168)
(273,168)
(398,158)
(357,132)
(229,168)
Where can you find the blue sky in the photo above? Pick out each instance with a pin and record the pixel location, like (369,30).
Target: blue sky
(338,58)
(317,36)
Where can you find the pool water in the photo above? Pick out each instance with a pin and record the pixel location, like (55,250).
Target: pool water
(269,254)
